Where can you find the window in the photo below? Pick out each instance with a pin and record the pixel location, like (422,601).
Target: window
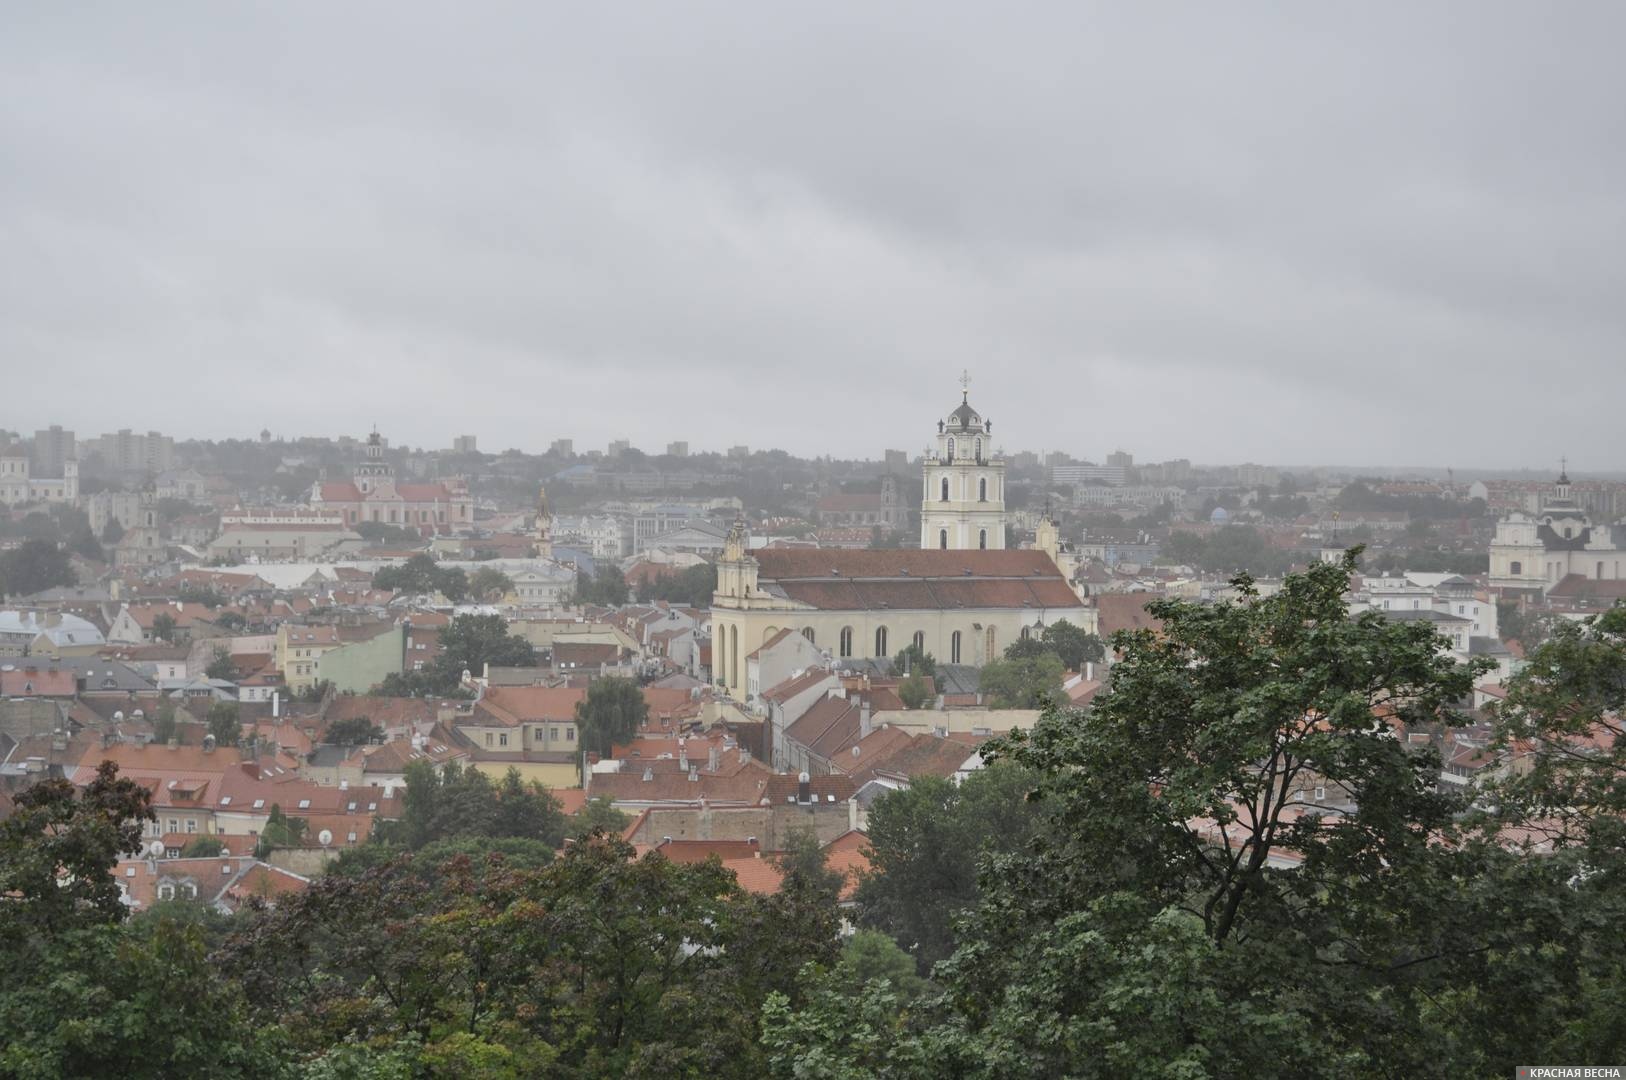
(570,734)
(920,641)
(880,641)
(1026,633)
(191,826)
(954,648)
(1515,567)
(982,490)
(166,891)
(979,449)
(982,539)
(945,489)
(304,804)
(951,446)
(846,642)
(942,536)
(488,738)
(191,889)
(807,631)
(502,740)
(172,825)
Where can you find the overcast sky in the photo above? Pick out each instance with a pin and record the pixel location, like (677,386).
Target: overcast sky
(1387,233)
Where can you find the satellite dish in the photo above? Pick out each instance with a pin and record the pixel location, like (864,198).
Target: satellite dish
(156,849)
(325,837)
(118,714)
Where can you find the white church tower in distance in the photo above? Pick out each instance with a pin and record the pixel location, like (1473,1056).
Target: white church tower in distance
(963,507)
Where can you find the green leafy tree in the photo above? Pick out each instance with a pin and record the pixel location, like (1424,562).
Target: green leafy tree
(916,691)
(612,712)
(163,627)
(1074,645)
(598,815)
(456,801)
(1022,682)
(471,642)
(164,727)
(490,584)
(915,660)
(280,831)
(112,532)
(203,847)
(33,566)
(352,731)
(221,667)
(225,723)
(83,543)
(57,850)
(925,841)
(1185,548)
(607,588)
(452,583)
(230,621)
(869,955)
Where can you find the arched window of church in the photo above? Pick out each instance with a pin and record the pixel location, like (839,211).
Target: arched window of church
(991,644)
(942,539)
(982,490)
(982,539)
(1026,633)
(979,449)
(807,632)
(1516,568)
(920,635)
(846,641)
(880,641)
(951,446)
(954,648)
(945,489)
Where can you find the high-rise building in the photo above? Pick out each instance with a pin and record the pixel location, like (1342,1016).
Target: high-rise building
(563,448)
(677,449)
(1122,459)
(53,448)
(464,444)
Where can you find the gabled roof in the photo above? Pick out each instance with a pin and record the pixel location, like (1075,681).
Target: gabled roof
(910,580)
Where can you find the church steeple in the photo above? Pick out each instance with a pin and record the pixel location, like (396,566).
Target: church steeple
(963,506)
(544,525)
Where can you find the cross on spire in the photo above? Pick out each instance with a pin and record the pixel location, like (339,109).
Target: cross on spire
(965,385)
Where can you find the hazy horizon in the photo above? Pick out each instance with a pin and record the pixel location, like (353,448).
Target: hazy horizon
(1251,233)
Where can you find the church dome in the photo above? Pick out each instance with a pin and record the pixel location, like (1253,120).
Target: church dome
(1220,515)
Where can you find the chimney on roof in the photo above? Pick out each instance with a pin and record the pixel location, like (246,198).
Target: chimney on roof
(864,725)
(711,759)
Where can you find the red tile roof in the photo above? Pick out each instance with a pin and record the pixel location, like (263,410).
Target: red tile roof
(909,580)
(19,678)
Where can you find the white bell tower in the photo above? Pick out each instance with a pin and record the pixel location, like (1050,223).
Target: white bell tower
(963,507)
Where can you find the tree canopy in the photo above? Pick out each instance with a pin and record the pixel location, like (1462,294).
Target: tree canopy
(612,712)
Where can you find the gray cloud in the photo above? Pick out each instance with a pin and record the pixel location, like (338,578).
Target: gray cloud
(1389,234)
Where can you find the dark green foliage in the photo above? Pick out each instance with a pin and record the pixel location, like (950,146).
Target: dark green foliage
(56,851)
(352,731)
(422,574)
(489,584)
(463,802)
(225,724)
(914,660)
(163,627)
(280,831)
(1074,645)
(203,847)
(599,814)
(163,724)
(692,586)
(33,566)
(916,691)
(1029,676)
(220,666)
(613,710)
(606,588)
(925,842)
(194,594)
(471,642)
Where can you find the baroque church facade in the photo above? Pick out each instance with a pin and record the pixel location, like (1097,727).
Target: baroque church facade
(1538,551)
(374,495)
(962,597)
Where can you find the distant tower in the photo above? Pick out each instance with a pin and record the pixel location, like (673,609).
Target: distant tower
(544,525)
(963,506)
(890,512)
(374,473)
